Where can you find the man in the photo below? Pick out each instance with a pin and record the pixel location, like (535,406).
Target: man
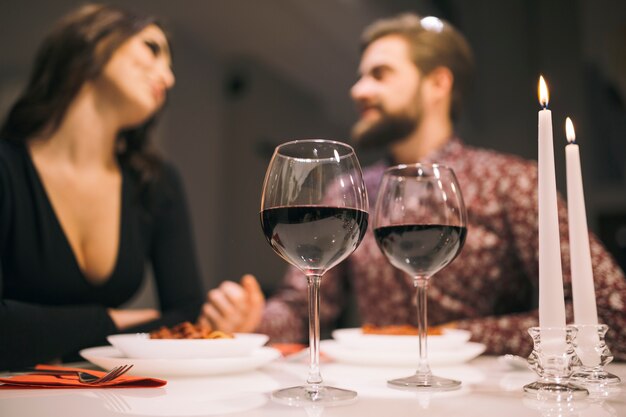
(413,75)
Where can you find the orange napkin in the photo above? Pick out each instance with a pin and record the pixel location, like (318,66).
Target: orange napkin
(71,381)
(291,349)
(288,348)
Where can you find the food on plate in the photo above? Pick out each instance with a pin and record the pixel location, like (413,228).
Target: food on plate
(398,330)
(187,330)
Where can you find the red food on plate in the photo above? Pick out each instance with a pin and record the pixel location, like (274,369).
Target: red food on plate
(398,330)
(187,330)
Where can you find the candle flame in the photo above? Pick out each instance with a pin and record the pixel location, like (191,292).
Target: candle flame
(569,131)
(544,95)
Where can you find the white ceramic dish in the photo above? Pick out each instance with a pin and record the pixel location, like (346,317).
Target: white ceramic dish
(344,354)
(139,345)
(356,339)
(108,357)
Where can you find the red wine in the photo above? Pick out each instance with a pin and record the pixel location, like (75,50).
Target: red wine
(314,238)
(420,249)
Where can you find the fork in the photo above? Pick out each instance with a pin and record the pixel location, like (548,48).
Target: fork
(86,377)
(108,377)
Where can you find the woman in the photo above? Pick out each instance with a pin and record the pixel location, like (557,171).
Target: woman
(84,203)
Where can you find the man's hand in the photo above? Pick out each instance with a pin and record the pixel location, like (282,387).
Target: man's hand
(233,307)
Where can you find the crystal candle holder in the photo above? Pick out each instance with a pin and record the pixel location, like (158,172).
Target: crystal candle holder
(594,355)
(553,358)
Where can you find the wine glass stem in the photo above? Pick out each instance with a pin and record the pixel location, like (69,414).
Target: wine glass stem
(315,378)
(421,283)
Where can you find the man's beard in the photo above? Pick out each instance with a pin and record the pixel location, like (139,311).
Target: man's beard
(384,132)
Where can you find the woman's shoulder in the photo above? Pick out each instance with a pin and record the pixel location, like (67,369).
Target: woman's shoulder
(11,156)
(162,190)
(10,149)
(167,181)
(12,164)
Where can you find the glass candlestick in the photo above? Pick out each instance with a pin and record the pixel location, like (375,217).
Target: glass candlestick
(594,355)
(553,358)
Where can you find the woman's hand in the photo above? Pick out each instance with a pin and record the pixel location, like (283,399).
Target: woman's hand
(233,307)
(124,319)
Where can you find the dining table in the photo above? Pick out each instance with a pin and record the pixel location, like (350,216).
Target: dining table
(490,386)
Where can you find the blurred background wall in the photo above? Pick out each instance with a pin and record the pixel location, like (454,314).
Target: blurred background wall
(252,74)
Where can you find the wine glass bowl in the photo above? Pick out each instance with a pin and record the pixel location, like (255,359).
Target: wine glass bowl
(420,226)
(314,238)
(314,215)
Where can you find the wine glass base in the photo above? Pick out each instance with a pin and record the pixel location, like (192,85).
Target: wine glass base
(591,377)
(557,391)
(302,396)
(425,383)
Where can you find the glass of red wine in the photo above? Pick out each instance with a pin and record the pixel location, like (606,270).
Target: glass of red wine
(420,226)
(314,213)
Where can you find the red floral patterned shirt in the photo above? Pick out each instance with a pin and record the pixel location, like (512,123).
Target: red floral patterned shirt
(491,288)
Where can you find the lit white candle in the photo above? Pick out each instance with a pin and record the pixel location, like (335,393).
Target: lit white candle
(551,299)
(585,311)
(584,294)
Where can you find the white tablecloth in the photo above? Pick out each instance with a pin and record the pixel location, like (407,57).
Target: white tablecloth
(489,389)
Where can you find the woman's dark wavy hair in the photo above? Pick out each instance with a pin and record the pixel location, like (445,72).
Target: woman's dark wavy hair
(75,51)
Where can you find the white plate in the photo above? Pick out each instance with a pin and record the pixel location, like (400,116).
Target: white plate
(341,353)
(356,339)
(139,345)
(109,357)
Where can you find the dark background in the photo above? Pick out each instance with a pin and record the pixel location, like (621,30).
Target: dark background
(252,74)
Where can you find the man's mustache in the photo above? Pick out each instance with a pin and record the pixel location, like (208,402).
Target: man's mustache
(361,107)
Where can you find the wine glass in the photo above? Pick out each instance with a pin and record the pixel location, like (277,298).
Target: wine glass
(314,214)
(420,226)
